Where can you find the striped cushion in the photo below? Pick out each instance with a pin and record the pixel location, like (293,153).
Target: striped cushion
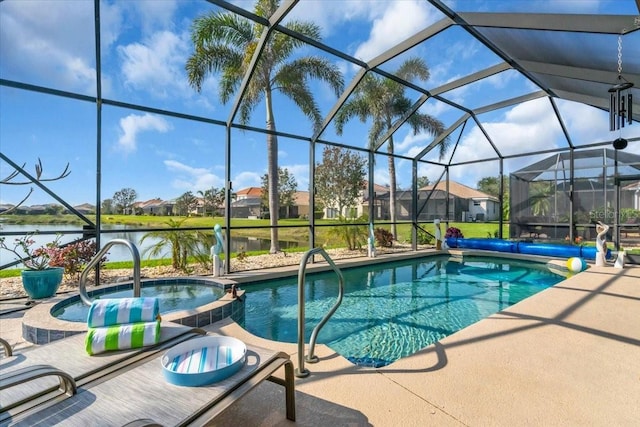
(120,337)
(118,311)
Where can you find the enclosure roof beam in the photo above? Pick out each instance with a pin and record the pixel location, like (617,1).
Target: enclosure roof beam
(575,73)
(411,42)
(510,102)
(561,122)
(575,23)
(340,102)
(474,77)
(442,136)
(486,135)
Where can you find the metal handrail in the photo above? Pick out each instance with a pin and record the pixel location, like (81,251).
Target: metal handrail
(8,352)
(96,259)
(301,371)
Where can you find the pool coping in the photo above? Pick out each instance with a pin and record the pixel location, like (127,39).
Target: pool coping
(40,327)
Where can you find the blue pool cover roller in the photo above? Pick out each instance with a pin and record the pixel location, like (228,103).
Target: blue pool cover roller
(528,248)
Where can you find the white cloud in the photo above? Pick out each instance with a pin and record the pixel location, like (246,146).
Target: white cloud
(154,14)
(500,80)
(381,175)
(111,18)
(50,43)
(133,124)
(410,140)
(399,21)
(585,124)
(301,173)
(329,18)
(246,179)
(189,178)
(531,125)
(156,65)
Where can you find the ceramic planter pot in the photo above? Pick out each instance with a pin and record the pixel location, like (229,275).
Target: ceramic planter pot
(40,284)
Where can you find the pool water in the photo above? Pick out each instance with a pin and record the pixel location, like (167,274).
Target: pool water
(173,295)
(392,310)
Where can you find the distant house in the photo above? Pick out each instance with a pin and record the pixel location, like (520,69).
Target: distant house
(34,209)
(465,204)
(4,207)
(380,192)
(249,193)
(85,208)
(300,206)
(249,207)
(248,204)
(149,207)
(361,206)
(209,211)
(154,207)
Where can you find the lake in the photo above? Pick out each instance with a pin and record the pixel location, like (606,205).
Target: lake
(120,252)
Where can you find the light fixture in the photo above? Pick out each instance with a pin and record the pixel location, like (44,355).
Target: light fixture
(620,102)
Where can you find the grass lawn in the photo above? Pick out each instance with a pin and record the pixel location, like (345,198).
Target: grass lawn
(296,229)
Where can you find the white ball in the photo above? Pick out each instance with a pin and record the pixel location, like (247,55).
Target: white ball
(576,265)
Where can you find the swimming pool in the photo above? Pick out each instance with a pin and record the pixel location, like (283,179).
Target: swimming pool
(394,309)
(173,294)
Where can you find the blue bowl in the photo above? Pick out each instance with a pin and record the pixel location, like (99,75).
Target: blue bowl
(204,360)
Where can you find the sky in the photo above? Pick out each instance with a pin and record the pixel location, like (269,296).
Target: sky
(144,48)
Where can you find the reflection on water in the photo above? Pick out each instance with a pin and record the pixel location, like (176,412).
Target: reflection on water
(118,252)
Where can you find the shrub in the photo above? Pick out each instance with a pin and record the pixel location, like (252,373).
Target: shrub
(74,257)
(39,258)
(241,255)
(424,238)
(383,237)
(350,232)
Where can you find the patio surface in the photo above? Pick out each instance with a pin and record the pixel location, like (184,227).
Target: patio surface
(569,355)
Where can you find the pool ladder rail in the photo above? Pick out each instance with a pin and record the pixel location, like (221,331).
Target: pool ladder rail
(301,372)
(96,259)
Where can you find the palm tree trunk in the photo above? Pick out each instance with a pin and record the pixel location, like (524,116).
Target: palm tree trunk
(392,187)
(272,172)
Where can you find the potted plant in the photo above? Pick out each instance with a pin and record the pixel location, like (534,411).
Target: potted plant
(41,277)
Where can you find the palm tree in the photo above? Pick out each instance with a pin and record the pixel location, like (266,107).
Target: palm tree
(212,198)
(225,43)
(183,243)
(384,101)
(539,195)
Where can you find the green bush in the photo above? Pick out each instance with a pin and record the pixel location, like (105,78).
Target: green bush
(424,238)
(351,232)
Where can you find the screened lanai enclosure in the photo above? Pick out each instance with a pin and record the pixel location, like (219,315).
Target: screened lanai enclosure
(287,122)
(583,182)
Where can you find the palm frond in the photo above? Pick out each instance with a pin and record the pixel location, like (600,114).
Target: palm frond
(356,107)
(209,60)
(227,28)
(413,68)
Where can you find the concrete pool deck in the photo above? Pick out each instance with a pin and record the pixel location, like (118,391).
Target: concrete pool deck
(569,355)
